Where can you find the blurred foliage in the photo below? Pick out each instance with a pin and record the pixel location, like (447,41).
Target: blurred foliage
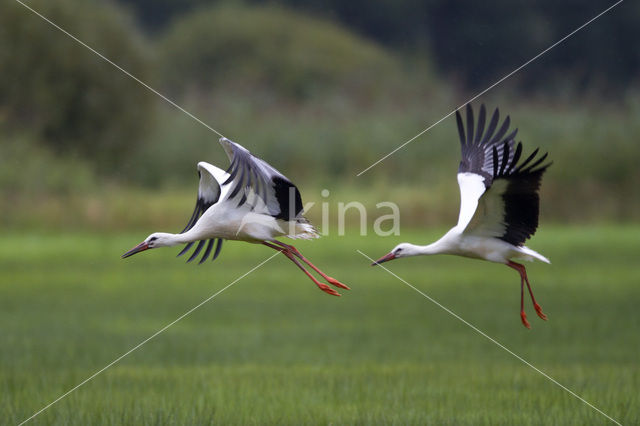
(27,167)
(266,47)
(480,42)
(318,102)
(297,81)
(68,98)
(477,41)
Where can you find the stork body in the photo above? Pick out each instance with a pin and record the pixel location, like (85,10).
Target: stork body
(251,202)
(499,201)
(456,242)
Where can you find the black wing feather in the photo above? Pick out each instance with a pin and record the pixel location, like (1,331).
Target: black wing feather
(534,165)
(481,121)
(469,125)
(520,198)
(492,126)
(206,252)
(250,173)
(197,211)
(505,154)
(477,145)
(203,202)
(218,248)
(495,161)
(232,170)
(498,137)
(521,206)
(463,138)
(529,158)
(516,157)
(186,249)
(197,250)
(238,185)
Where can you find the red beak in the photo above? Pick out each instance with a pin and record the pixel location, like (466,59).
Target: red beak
(383,259)
(137,249)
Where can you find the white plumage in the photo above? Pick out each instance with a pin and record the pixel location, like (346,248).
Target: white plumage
(252,202)
(499,201)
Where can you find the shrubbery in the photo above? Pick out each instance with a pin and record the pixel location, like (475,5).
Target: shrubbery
(313,99)
(267,47)
(65,96)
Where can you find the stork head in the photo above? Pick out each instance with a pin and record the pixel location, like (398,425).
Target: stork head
(401,250)
(157,239)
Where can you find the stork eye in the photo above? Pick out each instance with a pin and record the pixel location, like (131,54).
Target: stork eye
(152,239)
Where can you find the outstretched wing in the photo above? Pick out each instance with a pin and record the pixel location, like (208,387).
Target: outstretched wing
(475,173)
(477,144)
(209,193)
(499,197)
(254,182)
(509,209)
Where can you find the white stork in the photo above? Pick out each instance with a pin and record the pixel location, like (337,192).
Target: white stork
(251,202)
(499,202)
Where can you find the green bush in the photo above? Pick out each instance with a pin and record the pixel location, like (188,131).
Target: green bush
(270,47)
(31,171)
(64,94)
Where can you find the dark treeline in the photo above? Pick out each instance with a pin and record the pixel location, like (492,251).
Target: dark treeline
(477,42)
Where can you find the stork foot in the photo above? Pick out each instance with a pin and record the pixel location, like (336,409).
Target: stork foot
(539,311)
(337,283)
(523,316)
(328,289)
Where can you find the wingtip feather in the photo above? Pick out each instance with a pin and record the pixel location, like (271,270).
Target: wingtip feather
(460,128)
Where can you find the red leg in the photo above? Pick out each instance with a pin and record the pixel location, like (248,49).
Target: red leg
(533,299)
(322,286)
(523,316)
(297,253)
(524,279)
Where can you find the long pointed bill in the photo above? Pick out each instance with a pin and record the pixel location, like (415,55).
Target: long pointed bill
(137,249)
(383,259)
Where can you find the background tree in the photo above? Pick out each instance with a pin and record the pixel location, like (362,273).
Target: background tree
(68,98)
(477,42)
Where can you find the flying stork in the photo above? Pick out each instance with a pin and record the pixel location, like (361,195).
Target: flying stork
(251,201)
(499,201)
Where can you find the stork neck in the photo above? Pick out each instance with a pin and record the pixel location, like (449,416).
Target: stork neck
(187,237)
(433,248)
(177,239)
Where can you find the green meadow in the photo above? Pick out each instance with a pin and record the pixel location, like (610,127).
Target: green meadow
(273,349)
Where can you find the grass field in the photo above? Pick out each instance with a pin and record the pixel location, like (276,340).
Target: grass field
(273,349)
